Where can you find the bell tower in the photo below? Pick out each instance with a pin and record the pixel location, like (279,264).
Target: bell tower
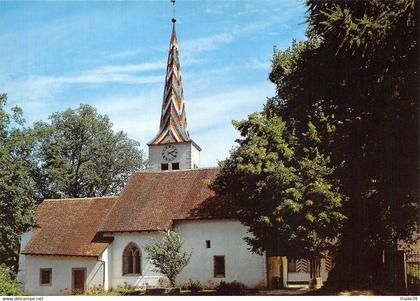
(172,148)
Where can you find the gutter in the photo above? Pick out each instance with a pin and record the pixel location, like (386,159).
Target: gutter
(104,273)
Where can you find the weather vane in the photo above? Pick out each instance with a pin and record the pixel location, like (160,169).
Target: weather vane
(173,3)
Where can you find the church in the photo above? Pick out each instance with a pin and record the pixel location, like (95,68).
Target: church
(84,242)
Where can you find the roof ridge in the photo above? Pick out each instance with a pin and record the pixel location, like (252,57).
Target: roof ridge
(174,171)
(79,199)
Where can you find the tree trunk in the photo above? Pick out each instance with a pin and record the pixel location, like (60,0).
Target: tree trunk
(315,272)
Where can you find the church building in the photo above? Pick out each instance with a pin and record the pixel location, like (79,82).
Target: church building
(84,242)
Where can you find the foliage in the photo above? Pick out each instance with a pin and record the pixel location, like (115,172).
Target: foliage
(95,290)
(230,288)
(78,155)
(98,290)
(167,256)
(358,73)
(281,183)
(413,270)
(17,204)
(192,285)
(8,285)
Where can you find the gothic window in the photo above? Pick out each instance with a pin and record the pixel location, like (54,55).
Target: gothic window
(131,259)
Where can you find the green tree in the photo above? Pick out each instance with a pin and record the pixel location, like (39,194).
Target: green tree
(78,154)
(167,256)
(8,285)
(359,70)
(282,186)
(17,205)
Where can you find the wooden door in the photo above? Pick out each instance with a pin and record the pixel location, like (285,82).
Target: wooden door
(78,280)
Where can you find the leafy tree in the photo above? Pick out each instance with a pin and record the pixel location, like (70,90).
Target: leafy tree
(8,285)
(17,203)
(359,70)
(167,256)
(78,155)
(282,186)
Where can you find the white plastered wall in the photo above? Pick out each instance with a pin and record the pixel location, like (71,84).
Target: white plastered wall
(226,239)
(61,273)
(116,249)
(240,264)
(195,157)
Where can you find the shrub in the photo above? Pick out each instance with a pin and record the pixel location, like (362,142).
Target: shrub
(209,286)
(230,288)
(167,256)
(8,285)
(123,291)
(95,290)
(193,285)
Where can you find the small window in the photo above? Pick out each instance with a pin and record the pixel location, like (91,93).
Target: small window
(291,265)
(208,244)
(164,166)
(45,276)
(175,166)
(219,266)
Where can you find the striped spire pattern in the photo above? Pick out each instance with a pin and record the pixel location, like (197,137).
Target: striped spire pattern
(173,121)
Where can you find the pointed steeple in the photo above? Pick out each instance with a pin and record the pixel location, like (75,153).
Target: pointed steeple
(173,121)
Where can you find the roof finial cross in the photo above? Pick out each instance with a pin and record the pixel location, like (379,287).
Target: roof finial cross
(173,19)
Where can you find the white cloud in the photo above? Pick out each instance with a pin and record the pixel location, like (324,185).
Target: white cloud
(221,108)
(214,41)
(259,64)
(123,54)
(95,78)
(129,68)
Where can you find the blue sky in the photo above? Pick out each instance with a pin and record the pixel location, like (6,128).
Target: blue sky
(56,55)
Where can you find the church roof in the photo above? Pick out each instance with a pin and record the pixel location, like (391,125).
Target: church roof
(151,200)
(173,121)
(154,200)
(68,227)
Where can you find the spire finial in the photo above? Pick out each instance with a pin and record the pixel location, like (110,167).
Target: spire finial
(173,19)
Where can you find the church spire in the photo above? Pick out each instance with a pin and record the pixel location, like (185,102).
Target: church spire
(173,121)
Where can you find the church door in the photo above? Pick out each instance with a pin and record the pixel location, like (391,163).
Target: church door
(78,280)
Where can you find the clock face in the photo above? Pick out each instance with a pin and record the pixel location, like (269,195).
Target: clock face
(169,152)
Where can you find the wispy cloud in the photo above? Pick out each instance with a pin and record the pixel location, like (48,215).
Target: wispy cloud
(123,54)
(95,78)
(211,42)
(129,68)
(259,64)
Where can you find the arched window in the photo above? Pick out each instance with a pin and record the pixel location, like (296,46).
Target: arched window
(131,259)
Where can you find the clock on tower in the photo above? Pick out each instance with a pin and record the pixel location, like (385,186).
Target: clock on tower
(169,152)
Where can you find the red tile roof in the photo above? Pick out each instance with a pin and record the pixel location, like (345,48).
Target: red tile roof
(152,200)
(68,226)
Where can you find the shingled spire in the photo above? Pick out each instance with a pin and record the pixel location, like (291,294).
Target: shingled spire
(173,121)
